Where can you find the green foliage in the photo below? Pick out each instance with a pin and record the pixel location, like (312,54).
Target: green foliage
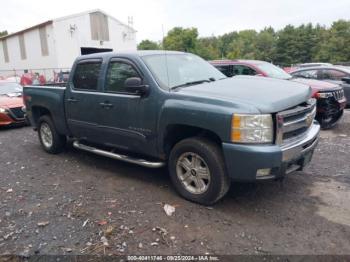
(290,45)
(3,33)
(181,39)
(243,46)
(208,48)
(335,46)
(148,45)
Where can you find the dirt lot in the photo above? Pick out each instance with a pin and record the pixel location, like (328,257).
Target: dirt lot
(72,202)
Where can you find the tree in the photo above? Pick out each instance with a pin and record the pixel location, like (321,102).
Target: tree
(3,33)
(208,48)
(148,45)
(243,46)
(224,43)
(336,47)
(290,45)
(181,39)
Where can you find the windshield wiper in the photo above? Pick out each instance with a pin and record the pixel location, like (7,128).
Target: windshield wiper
(191,83)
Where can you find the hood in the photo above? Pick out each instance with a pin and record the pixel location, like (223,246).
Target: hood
(316,85)
(267,95)
(10,102)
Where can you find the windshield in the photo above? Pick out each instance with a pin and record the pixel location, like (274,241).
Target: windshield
(173,70)
(10,89)
(273,71)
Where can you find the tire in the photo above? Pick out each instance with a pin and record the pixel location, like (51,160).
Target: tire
(51,141)
(328,122)
(204,157)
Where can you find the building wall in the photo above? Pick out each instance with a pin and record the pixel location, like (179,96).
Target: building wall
(72,33)
(65,38)
(34,58)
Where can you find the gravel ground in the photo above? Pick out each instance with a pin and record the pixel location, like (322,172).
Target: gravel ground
(79,203)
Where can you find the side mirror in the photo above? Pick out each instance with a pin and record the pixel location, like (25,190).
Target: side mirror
(134,85)
(346,80)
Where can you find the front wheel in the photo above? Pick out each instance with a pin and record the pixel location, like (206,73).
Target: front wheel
(197,170)
(328,121)
(50,139)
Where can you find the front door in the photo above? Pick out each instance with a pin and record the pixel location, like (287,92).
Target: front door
(121,111)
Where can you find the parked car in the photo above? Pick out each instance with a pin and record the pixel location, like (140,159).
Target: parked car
(330,96)
(11,104)
(154,108)
(334,74)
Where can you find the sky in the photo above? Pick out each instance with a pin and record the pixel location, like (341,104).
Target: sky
(153,17)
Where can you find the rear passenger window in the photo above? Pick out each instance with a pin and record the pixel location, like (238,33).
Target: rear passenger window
(333,74)
(86,75)
(117,73)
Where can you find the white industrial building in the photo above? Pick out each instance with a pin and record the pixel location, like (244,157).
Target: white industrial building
(56,43)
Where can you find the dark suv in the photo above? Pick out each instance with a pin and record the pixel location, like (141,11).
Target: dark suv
(333,74)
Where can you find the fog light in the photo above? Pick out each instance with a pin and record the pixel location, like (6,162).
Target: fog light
(263,172)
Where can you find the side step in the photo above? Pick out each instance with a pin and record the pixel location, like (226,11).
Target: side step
(140,162)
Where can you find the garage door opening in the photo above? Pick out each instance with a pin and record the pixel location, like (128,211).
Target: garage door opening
(93,50)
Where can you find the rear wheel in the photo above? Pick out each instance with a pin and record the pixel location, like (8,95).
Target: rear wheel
(50,139)
(197,170)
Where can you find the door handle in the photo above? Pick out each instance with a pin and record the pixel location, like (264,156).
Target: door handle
(72,100)
(106,105)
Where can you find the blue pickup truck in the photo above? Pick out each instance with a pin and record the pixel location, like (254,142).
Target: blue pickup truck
(157,108)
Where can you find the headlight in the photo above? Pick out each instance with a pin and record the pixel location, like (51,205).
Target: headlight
(252,129)
(3,110)
(324,95)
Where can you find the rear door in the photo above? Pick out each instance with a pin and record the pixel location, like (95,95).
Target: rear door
(80,99)
(332,75)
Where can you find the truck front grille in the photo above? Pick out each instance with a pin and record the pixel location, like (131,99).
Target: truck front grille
(294,122)
(17,113)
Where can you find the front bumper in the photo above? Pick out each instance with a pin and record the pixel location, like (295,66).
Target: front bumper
(7,120)
(244,161)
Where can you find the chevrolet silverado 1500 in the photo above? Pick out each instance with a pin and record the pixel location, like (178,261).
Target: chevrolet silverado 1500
(157,108)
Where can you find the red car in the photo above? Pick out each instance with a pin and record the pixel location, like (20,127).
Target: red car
(330,97)
(11,104)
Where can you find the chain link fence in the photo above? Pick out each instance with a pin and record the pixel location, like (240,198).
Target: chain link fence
(40,76)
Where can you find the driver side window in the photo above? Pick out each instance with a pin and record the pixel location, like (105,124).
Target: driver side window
(117,73)
(243,70)
(310,74)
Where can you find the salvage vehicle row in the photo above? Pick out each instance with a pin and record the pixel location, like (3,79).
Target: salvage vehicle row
(330,97)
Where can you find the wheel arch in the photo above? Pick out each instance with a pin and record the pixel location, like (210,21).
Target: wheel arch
(37,112)
(174,133)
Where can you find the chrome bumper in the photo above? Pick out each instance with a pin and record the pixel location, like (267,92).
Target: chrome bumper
(299,147)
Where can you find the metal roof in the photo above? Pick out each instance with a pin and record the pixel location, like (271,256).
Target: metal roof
(63,18)
(129,53)
(49,22)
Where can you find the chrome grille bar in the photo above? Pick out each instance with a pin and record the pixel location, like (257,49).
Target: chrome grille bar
(295,122)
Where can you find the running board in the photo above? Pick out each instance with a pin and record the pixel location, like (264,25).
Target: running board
(140,162)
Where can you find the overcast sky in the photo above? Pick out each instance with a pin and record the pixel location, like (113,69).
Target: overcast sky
(211,17)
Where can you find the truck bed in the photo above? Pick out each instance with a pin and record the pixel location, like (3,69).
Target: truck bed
(47,97)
